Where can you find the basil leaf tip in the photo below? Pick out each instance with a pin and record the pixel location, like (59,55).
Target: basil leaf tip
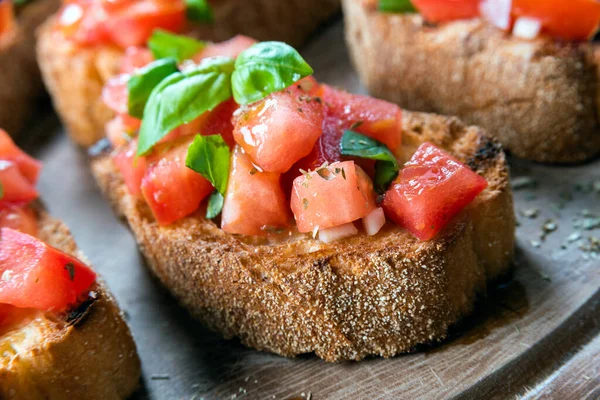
(264,68)
(164,44)
(386,166)
(209,156)
(182,97)
(215,205)
(199,11)
(396,6)
(141,84)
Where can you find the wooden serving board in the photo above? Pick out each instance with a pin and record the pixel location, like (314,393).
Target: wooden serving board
(536,336)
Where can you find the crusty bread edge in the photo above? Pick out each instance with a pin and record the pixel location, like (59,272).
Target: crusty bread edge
(95,358)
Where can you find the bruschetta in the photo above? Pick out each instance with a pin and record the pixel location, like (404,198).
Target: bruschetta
(62,335)
(20,81)
(82,46)
(299,217)
(524,70)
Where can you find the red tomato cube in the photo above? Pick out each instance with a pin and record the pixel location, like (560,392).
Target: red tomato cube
(254,202)
(35,275)
(29,166)
(432,188)
(372,117)
(447,10)
(279,130)
(19,218)
(132,168)
(135,57)
(332,196)
(171,189)
(229,48)
(17,189)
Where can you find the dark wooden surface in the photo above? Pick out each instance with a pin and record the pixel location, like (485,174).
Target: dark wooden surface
(536,336)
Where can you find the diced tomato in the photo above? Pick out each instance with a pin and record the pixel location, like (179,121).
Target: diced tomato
(17,189)
(364,114)
(229,48)
(135,57)
(447,10)
(571,20)
(219,122)
(115,94)
(432,188)
(7,16)
(29,166)
(124,23)
(171,189)
(19,218)
(332,196)
(35,275)
(254,202)
(132,168)
(279,130)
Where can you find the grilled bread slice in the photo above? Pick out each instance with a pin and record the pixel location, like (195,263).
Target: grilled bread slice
(75,76)
(361,296)
(87,353)
(540,98)
(20,81)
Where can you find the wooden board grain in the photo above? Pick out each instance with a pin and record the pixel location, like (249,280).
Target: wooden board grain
(536,336)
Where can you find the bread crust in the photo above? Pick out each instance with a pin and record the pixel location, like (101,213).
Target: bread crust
(20,81)
(539,98)
(75,76)
(94,358)
(363,296)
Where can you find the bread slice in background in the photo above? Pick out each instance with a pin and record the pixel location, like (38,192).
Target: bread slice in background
(539,98)
(75,76)
(20,80)
(361,296)
(89,356)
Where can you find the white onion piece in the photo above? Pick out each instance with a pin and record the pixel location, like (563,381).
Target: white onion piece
(527,28)
(497,12)
(374,221)
(337,232)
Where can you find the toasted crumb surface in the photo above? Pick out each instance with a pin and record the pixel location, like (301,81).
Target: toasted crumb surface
(20,81)
(380,295)
(49,358)
(75,76)
(539,98)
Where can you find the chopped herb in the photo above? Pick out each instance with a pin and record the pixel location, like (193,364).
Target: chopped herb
(199,11)
(71,270)
(356,125)
(1,191)
(305,203)
(253,171)
(325,173)
(344,173)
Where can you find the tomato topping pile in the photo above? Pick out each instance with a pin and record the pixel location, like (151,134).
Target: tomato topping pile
(574,20)
(120,22)
(33,275)
(229,48)
(431,189)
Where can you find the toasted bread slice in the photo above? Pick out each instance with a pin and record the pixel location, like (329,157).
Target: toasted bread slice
(20,81)
(75,76)
(87,354)
(540,98)
(361,296)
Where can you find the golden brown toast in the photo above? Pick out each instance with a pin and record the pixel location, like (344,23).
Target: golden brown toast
(540,98)
(87,354)
(75,76)
(20,81)
(361,296)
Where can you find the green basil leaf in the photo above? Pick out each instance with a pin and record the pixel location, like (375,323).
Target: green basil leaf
(209,156)
(396,6)
(199,11)
(182,97)
(164,44)
(265,68)
(1,191)
(215,205)
(141,84)
(386,167)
